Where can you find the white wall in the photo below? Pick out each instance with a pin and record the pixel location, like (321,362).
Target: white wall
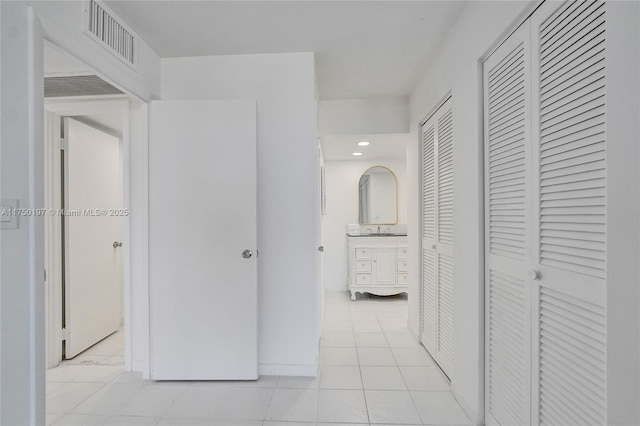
(284,87)
(63,25)
(22,345)
(363,116)
(342,179)
(457,70)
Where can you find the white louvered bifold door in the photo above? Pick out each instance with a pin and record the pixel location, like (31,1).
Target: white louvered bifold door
(507,98)
(428,281)
(437,235)
(570,222)
(545,240)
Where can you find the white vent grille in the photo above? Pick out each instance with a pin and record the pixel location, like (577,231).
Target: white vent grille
(508,361)
(104,27)
(572,360)
(445,308)
(506,89)
(572,139)
(85,85)
(428,184)
(445,178)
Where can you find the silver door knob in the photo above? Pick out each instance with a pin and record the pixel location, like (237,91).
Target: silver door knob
(117,244)
(534,275)
(247,254)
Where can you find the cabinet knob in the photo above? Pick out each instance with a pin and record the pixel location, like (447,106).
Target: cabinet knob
(534,275)
(247,254)
(433,246)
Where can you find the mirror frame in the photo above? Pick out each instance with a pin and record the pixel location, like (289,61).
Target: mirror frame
(396,200)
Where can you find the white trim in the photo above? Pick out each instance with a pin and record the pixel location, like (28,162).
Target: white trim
(54,111)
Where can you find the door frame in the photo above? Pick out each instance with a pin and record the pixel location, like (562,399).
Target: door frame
(54,110)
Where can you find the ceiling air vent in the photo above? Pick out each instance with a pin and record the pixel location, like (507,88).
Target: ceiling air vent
(82,85)
(102,25)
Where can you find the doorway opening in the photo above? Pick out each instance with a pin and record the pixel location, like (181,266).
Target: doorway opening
(86,226)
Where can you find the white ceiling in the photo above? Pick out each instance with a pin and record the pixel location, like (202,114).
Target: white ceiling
(382,146)
(364,49)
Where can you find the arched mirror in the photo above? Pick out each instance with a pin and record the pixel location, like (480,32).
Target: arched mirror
(378,197)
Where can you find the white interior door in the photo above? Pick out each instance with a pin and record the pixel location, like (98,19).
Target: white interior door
(93,265)
(202,218)
(437,236)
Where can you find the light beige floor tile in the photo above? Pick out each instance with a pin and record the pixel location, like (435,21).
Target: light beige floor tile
(402,340)
(438,408)
(363,316)
(392,407)
(367,327)
(342,406)
(69,396)
(376,356)
(109,400)
(393,326)
(296,382)
(297,405)
(338,340)
(424,378)
(382,378)
(81,420)
(338,356)
(370,340)
(416,356)
(337,327)
(51,418)
(132,421)
(152,400)
(340,377)
(65,372)
(226,403)
(100,374)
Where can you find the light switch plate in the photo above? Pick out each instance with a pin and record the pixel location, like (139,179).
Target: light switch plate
(8,218)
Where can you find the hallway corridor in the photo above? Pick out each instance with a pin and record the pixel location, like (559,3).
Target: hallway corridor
(372,372)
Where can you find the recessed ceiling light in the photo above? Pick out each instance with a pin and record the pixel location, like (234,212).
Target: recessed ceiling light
(363,143)
(357,153)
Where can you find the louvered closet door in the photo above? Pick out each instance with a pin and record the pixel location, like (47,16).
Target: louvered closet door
(570,222)
(437,236)
(507,98)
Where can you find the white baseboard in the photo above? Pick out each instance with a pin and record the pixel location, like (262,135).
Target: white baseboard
(288,370)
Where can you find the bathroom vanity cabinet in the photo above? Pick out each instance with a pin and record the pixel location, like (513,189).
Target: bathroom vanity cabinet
(377,264)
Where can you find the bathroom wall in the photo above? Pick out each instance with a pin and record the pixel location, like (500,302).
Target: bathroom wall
(341,179)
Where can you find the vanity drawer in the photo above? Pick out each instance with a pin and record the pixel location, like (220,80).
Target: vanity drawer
(363,279)
(403,265)
(364,253)
(402,278)
(403,253)
(363,266)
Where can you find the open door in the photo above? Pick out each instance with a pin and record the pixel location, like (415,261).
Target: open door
(202,240)
(93,224)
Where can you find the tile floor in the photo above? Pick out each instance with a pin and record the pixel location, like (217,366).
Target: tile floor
(372,372)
